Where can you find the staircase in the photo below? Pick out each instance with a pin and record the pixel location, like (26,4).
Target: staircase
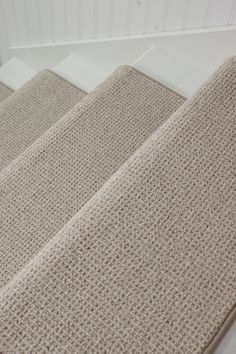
(178,73)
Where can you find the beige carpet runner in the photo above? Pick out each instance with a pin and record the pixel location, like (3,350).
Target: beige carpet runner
(31,110)
(115,241)
(148,264)
(5,92)
(42,189)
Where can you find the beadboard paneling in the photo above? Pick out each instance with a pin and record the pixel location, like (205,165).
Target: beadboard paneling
(27,22)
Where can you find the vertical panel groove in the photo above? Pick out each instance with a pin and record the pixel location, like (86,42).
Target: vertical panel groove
(231,14)
(79,22)
(128,17)
(39,22)
(3,16)
(111,17)
(13,23)
(65,20)
(95,18)
(186,14)
(51,21)
(208,13)
(165,14)
(36,21)
(27,22)
(146,15)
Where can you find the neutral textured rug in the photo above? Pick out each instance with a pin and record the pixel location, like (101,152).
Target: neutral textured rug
(51,181)
(4,92)
(31,110)
(148,264)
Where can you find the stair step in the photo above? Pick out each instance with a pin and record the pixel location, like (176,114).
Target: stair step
(15,73)
(171,70)
(82,72)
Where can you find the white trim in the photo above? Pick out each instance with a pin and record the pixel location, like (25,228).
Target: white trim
(228,343)
(82,73)
(15,73)
(206,49)
(127,38)
(171,70)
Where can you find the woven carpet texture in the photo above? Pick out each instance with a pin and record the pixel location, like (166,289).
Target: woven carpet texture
(31,110)
(5,92)
(42,189)
(118,230)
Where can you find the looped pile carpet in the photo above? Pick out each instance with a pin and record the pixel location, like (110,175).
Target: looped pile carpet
(5,92)
(31,110)
(118,225)
(43,188)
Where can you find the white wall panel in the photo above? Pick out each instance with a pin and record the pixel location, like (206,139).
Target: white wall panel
(154,16)
(208,13)
(46,27)
(103,15)
(196,15)
(221,11)
(59,21)
(73,21)
(120,19)
(175,15)
(29,22)
(32,20)
(21,27)
(9,17)
(86,19)
(232,15)
(137,18)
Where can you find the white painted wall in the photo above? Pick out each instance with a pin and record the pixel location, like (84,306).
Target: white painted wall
(29,22)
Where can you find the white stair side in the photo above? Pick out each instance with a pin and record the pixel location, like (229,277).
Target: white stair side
(82,72)
(228,343)
(15,73)
(174,72)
